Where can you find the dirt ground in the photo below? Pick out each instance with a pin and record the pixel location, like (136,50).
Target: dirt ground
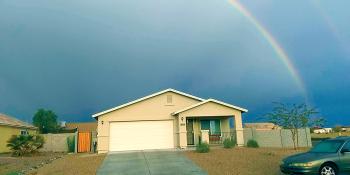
(74,164)
(13,165)
(241,161)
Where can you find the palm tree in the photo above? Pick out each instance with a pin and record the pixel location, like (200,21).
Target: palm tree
(25,144)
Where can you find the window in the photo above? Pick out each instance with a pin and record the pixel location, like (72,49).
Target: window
(328,146)
(169,99)
(24,132)
(213,125)
(347,146)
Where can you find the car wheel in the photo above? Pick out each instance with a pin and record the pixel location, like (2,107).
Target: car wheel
(328,169)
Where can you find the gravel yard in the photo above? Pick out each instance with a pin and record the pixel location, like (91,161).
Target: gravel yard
(75,164)
(15,165)
(241,161)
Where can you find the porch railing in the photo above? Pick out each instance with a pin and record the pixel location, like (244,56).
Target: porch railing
(219,137)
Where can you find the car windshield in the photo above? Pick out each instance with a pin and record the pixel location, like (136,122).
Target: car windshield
(328,146)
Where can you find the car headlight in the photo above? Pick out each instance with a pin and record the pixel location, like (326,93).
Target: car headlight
(308,164)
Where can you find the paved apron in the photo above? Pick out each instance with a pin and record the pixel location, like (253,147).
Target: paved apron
(149,163)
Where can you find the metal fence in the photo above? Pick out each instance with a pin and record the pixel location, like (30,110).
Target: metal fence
(219,137)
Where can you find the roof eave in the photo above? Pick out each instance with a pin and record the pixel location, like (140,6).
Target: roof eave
(210,100)
(144,98)
(18,126)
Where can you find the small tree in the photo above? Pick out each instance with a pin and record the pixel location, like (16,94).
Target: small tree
(203,147)
(337,129)
(71,143)
(229,143)
(294,117)
(252,143)
(46,121)
(25,144)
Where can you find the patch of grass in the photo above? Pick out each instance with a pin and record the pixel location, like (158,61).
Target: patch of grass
(13,173)
(203,148)
(269,154)
(329,135)
(252,144)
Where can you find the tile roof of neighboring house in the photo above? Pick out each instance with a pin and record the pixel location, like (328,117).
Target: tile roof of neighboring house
(83,127)
(11,121)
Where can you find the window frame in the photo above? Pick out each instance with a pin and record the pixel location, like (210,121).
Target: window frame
(217,123)
(24,132)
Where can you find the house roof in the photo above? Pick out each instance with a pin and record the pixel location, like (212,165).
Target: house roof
(83,127)
(145,98)
(207,101)
(6,120)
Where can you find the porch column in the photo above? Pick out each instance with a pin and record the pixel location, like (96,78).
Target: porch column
(182,131)
(239,129)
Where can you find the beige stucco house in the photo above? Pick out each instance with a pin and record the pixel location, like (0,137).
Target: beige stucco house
(168,119)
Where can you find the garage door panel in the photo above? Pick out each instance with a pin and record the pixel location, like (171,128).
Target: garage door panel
(141,135)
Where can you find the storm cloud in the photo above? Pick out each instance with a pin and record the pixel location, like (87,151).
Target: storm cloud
(80,57)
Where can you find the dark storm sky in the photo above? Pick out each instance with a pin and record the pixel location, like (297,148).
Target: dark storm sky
(80,57)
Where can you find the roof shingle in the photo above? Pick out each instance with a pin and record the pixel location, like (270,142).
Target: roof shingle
(11,121)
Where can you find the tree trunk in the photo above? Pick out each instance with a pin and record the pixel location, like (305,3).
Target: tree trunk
(297,135)
(293,138)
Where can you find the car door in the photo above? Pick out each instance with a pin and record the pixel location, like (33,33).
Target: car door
(344,157)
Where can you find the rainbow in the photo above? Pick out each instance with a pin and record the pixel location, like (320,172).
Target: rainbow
(282,55)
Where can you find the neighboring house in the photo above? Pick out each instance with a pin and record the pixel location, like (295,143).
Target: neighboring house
(345,128)
(262,126)
(323,130)
(82,127)
(168,119)
(328,130)
(319,131)
(10,126)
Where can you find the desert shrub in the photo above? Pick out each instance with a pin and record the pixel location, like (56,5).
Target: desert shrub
(71,144)
(229,143)
(252,144)
(203,147)
(25,144)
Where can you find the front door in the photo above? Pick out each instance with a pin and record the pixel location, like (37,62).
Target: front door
(190,133)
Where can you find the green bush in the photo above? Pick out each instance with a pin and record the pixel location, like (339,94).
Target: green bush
(229,143)
(252,144)
(203,147)
(25,144)
(71,144)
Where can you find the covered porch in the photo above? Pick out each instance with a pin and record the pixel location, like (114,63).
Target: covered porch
(213,130)
(210,121)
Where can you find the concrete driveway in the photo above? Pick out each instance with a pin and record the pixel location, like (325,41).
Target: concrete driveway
(149,163)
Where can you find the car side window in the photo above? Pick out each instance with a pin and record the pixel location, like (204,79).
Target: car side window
(347,146)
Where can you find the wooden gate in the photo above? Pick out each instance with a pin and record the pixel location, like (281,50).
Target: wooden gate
(84,142)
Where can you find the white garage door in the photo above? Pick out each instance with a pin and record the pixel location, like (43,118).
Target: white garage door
(141,135)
